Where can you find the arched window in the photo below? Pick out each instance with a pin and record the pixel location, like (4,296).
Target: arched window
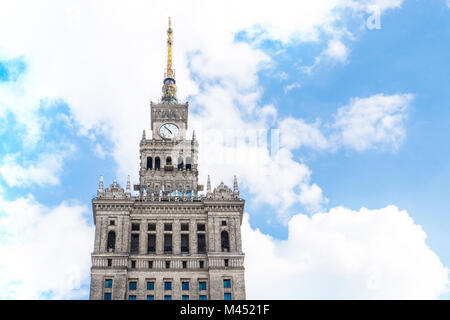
(149,163)
(157,163)
(188,163)
(111,244)
(168,161)
(225,241)
(180,163)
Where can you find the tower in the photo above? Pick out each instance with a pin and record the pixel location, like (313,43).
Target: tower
(169,241)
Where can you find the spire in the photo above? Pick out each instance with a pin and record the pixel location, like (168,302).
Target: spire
(193,135)
(128,192)
(143,135)
(235,186)
(169,88)
(100,187)
(208,185)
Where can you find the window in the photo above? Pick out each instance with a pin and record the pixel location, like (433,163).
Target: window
(167,297)
(201,243)
(168,285)
(135,227)
(107,296)
(202,297)
(180,163)
(225,241)
(224,222)
(225,262)
(184,264)
(227,283)
(151,227)
(108,283)
(185,227)
(149,163)
(111,243)
(184,243)
(150,285)
(151,243)
(134,243)
(167,227)
(185,297)
(132,298)
(150,297)
(167,243)
(185,285)
(112,222)
(157,163)
(150,264)
(167,264)
(201,227)
(169,161)
(227,296)
(132,285)
(202,285)
(133,264)
(188,163)
(109,262)
(202,264)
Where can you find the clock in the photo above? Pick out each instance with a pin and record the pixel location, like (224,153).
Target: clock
(168,131)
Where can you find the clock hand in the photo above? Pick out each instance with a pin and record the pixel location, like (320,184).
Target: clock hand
(169,130)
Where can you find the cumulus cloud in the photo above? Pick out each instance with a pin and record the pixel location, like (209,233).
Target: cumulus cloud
(375,122)
(344,254)
(45,251)
(44,171)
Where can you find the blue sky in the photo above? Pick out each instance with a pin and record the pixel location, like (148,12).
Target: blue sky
(362,115)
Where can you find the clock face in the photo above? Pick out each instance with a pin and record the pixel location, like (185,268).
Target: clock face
(168,131)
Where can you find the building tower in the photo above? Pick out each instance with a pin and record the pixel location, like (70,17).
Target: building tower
(168,241)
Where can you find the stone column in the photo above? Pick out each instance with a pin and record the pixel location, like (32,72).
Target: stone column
(159,237)
(192,236)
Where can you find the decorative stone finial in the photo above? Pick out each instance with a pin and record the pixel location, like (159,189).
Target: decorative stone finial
(208,185)
(235,187)
(143,135)
(128,192)
(100,187)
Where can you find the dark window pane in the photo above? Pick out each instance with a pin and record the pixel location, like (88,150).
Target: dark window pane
(135,227)
(201,227)
(225,241)
(202,297)
(150,264)
(134,243)
(107,296)
(149,163)
(202,285)
(202,264)
(167,297)
(227,283)
(132,298)
(151,244)
(167,243)
(185,285)
(167,264)
(152,227)
(167,227)
(150,297)
(111,243)
(184,243)
(185,227)
(150,285)
(185,297)
(201,243)
(132,285)
(227,296)
(167,285)
(184,264)
(133,264)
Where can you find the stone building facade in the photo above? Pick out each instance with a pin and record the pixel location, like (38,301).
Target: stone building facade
(168,240)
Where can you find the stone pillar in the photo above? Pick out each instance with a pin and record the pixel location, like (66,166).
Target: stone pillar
(159,237)
(176,237)
(192,236)
(143,237)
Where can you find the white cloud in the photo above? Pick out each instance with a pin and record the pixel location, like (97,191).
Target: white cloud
(45,170)
(45,251)
(344,254)
(375,121)
(291,86)
(336,50)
